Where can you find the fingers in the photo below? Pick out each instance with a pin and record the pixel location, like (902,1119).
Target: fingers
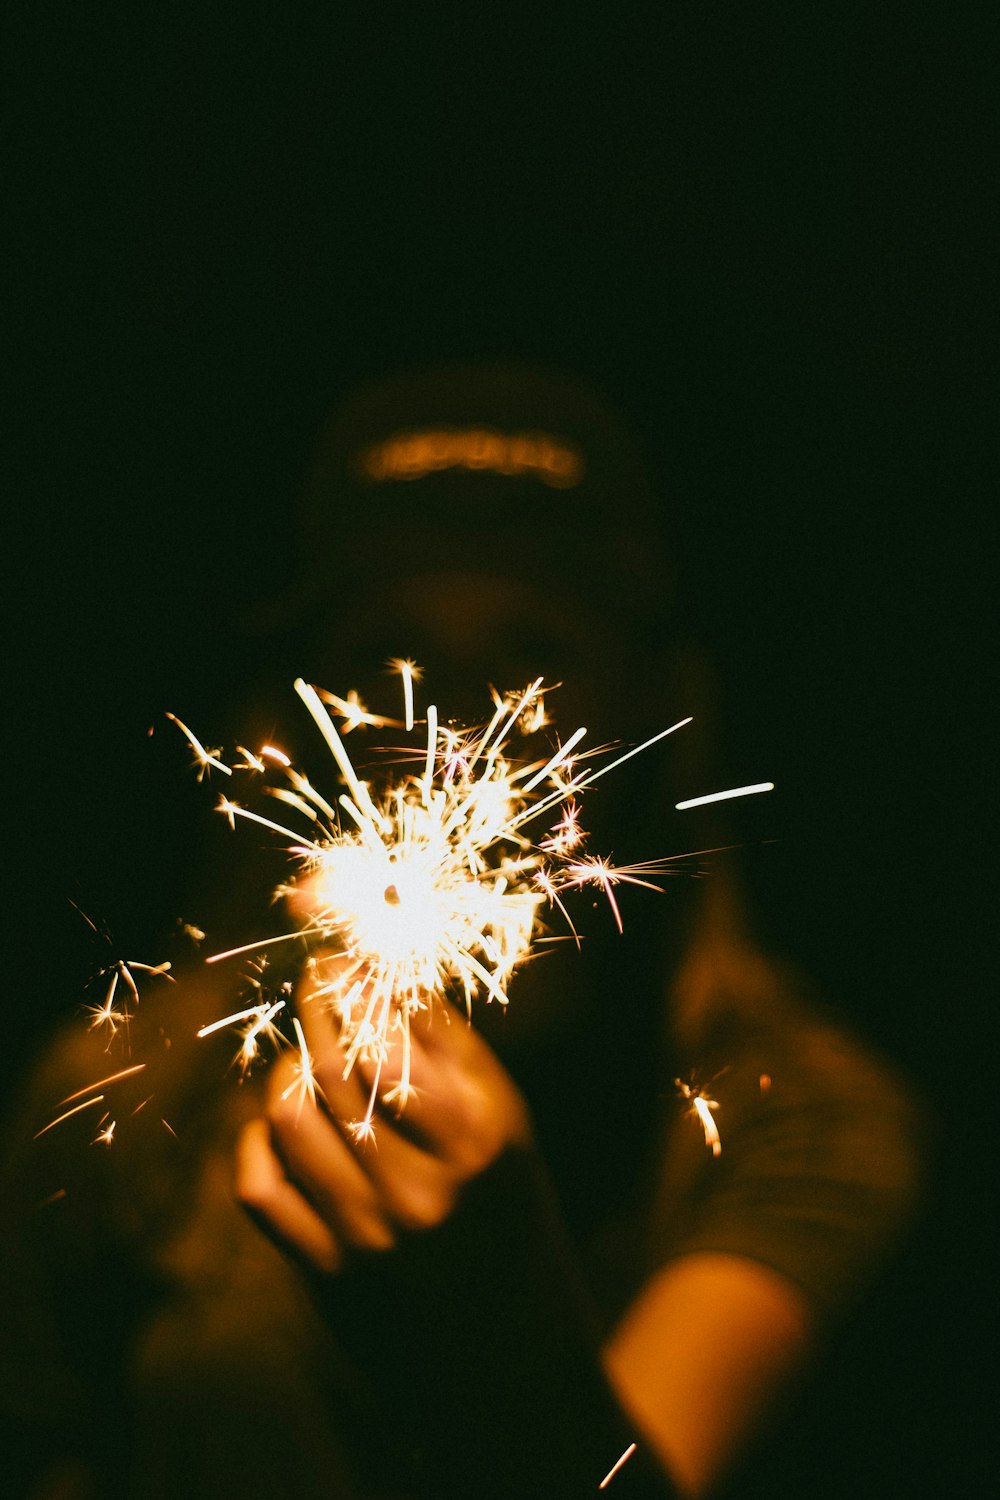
(328,1172)
(324,1184)
(277,1206)
(312,1185)
(374,1187)
(437,1081)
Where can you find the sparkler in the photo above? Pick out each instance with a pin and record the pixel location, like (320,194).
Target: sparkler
(430,885)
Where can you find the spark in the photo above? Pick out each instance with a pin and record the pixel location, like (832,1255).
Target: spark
(586,779)
(566,834)
(355,714)
(410,674)
(118,971)
(263,1024)
(250,762)
(106,1014)
(702,1106)
(99,1083)
(114,1012)
(102,1083)
(75,1110)
(545,883)
(535,716)
(304,1083)
(600,872)
(736,791)
(241,1015)
(556,761)
(56,1197)
(259,1017)
(282,937)
(616,1466)
(205,760)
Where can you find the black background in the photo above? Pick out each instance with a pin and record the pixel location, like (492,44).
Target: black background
(761,230)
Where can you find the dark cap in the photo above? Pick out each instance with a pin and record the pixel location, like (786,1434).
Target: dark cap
(503,469)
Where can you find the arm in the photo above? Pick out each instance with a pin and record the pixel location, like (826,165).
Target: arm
(694,1361)
(700,1355)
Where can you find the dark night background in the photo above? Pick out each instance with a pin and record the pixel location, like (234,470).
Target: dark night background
(760,231)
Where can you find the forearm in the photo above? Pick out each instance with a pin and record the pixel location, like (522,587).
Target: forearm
(701,1356)
(492,1362)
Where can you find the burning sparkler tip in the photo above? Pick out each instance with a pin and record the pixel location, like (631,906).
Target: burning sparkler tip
(434,887)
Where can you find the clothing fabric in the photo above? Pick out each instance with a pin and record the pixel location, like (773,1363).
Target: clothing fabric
(155,1335)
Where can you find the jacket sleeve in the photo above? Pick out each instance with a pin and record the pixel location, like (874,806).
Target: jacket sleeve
(819,1166)
(496,1377)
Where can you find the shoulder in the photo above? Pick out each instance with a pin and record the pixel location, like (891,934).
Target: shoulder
(817,1169)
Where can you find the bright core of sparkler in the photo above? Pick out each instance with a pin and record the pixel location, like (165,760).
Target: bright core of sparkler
(430,886)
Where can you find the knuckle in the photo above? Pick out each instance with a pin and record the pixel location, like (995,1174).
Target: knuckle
(420,1209)
(372,1234)
(251,1175)
(328,1257)
(252,1187)
(253,1198)
(282,1114)
(329,1074)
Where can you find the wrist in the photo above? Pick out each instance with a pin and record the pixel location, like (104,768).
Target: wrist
(495,1362)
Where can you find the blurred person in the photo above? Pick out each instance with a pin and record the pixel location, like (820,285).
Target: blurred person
(541,1260)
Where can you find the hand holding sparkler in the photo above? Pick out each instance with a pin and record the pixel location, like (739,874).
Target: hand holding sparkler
(481,1287)
(314,1173)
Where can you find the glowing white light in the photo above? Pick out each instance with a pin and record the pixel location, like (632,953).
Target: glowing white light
(736,791)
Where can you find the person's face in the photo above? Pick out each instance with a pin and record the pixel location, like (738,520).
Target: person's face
(471,632)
